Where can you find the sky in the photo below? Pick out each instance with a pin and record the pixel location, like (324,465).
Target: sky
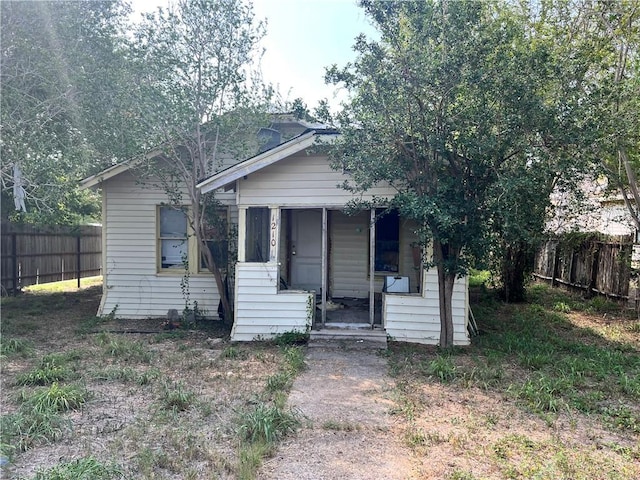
(303,38)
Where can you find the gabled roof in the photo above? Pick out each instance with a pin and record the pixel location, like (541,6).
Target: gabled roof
(98,178)
(258,162)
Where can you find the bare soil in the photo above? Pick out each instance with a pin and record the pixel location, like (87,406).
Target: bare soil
(345,396)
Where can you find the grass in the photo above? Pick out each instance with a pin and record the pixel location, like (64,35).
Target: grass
(176,397)
(547,391)
(123,348)
(15,346)
(86,468)
(267,421)
(267,424)
(559,359)
(167,405)
(55,398)
(45,374)
(21,430)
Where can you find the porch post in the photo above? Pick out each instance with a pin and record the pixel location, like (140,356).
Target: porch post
(324,266)
(274,234)
(372,265)
(242,234)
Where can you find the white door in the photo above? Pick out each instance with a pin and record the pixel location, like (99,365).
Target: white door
(306,249)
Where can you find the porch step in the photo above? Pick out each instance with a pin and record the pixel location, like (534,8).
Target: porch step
(348,337)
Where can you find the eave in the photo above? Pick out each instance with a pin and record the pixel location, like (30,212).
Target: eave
(264,159)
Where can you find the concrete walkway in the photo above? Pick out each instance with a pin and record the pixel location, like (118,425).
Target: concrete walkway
(345,397)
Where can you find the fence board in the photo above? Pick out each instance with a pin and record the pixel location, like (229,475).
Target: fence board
(594,265)
(32,255)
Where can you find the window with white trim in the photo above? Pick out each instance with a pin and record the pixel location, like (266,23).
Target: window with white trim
(173,238)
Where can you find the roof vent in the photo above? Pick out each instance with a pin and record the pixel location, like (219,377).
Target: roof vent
(267,139)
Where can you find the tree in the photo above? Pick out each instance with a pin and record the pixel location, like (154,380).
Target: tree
(441,108)
(64,92)
(609,33)
(201,101)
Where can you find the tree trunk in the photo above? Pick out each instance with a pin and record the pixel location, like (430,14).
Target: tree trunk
(513,275)
(446,280)
(222,290)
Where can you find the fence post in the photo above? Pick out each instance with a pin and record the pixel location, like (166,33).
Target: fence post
(556,258)
(14,268)
(595,261)
(78,243)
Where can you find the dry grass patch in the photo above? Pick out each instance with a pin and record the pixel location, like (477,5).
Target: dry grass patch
(138,405)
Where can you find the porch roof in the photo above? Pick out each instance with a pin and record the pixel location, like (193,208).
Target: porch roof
(253,164)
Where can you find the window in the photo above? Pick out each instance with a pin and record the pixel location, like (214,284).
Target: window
(387,241)
(257,246)
(173,240)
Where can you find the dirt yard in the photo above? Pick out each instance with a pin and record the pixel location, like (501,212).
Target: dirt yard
(551,390)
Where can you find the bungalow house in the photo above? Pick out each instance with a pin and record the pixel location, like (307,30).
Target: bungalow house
(302,262)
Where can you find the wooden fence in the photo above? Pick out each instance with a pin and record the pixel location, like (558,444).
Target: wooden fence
(32,255)
(595,266)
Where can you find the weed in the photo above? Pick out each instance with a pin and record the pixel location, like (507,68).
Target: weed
(268,423)
(417,437)
(176,397)
(622,417)
(170,335)
(15,346)
(250,458)
(87,468)
(279,381)
(534,360)
(45,374)
(149,459)
(233,352)
(148,376)
(561,307)
(543,394)
(123,348)
(61,358)
(21,430)
(291,338)
(56,398)
(443,368)
(294,358)
(461,475)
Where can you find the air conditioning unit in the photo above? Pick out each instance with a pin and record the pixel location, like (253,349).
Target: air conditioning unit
(396,284)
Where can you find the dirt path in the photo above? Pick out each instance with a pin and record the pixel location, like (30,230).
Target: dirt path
(345,395)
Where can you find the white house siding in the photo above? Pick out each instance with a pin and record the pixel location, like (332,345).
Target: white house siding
(416,318)
(132,286)
(261,310)
(300,180)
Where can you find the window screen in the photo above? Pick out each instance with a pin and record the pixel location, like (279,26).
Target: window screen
(173,238)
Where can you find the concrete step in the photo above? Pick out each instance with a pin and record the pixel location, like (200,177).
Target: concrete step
(348,337)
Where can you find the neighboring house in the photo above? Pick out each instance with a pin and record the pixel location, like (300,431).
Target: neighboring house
(302,262)
(599,211)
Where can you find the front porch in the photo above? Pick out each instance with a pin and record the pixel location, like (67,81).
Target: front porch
(296,263)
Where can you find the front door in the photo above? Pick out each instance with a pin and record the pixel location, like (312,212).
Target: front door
(306,249)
